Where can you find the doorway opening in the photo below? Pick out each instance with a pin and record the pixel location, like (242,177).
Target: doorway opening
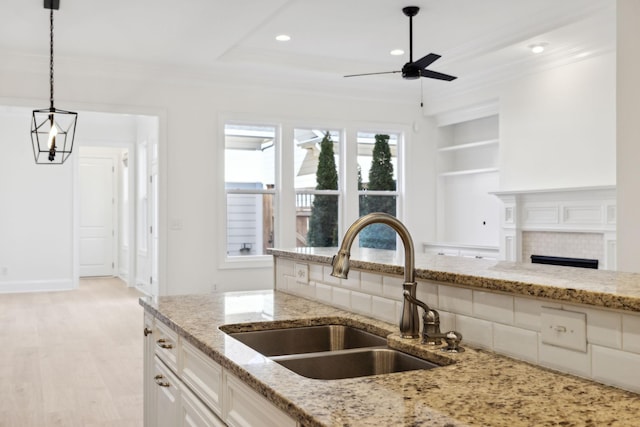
(117,229)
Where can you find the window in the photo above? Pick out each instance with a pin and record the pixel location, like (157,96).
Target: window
(316,163)
(250,177)
(378,185)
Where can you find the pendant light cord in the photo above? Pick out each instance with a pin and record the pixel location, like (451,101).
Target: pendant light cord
(51,61)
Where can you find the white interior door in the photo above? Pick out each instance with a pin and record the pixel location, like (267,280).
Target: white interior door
(96,184)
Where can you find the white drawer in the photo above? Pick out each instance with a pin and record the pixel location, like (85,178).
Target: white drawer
(243,407)
(202,375)
(166,345)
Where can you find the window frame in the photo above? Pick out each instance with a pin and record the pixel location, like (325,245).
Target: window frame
(285,191)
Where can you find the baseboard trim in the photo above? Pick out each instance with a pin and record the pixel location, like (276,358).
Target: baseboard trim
(36,286)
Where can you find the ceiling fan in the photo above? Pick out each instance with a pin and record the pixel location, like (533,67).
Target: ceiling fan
(413,70)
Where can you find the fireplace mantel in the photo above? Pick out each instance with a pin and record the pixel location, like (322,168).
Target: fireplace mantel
(563,210)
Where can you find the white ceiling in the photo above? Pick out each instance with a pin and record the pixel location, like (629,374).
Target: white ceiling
(481,41)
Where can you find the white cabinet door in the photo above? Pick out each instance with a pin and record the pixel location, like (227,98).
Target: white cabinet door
(149,384)
(194,413)
(243,407)
(166,395)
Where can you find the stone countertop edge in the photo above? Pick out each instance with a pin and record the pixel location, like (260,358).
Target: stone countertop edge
(601,288)
(476,387)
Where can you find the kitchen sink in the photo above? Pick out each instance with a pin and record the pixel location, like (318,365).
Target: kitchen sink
(329,352)
(352,363)
(308,339)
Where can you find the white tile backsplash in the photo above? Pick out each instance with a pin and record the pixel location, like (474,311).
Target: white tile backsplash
(519,343)
(616,367)
(428,292)
(561,359)
(457,300)
(328,278)
(496,307)
(603,327)
(384,309)
(371,283)
(502,323)
(475,331)
(361,302)
(315,272)
(323,293)
(392,287)
(341,297)
(527,312)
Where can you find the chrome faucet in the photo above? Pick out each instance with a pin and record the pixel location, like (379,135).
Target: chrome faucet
(409,323)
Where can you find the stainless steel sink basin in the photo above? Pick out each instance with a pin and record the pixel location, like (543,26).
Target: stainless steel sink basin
(308,339)
(352,363)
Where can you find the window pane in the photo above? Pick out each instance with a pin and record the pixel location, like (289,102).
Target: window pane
(249,156)
(377,169)
(366,144)
(250,222)
(378,236)
(316,163)
(307,146)
(250,168)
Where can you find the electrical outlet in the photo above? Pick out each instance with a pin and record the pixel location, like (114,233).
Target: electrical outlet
(302,273)
(567,329)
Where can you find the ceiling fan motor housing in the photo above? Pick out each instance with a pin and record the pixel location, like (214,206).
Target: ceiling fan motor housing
(410,71)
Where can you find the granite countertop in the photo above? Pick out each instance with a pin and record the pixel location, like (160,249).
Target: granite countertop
(477,388)
(603,288)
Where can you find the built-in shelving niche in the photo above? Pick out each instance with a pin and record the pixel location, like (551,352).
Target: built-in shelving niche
(468,149)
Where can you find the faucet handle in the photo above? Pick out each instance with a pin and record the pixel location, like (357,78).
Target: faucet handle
(453,339)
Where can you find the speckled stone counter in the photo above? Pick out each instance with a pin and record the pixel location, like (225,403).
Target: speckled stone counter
(476,388)
(602,288)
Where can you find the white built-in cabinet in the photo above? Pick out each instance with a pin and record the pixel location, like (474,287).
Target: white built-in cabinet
(467,166)
(183,387)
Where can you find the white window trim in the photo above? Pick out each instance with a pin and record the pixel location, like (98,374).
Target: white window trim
(285,191)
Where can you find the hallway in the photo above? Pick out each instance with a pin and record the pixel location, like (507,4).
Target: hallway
(72,358)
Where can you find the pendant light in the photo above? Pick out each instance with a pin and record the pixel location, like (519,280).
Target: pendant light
(52,130)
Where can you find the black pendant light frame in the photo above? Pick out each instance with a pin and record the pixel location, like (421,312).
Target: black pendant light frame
(52,130)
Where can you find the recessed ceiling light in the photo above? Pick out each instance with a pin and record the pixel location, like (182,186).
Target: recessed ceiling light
(397,52)
(538,47)
(283,38)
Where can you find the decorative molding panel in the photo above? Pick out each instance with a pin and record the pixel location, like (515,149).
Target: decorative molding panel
(583,214)
(541,215)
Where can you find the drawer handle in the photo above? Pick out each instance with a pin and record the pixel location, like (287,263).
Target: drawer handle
(159,381)
(162,343)
(147,331)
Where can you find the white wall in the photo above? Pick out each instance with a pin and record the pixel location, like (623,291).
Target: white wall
(188,111)
(36,213)
(557,128)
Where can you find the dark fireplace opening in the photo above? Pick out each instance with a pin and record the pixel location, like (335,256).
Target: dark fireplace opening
(569,262)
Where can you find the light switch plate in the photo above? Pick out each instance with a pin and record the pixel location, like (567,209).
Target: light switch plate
(302,273)
(562,328)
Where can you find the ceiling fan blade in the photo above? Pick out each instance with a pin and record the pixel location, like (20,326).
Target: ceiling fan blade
(436,75)
(372,74)
(427,60)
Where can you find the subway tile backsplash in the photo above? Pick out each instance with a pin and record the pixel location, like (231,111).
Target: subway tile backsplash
(506,324)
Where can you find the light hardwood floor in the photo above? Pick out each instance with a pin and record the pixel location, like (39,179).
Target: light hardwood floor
(72,358)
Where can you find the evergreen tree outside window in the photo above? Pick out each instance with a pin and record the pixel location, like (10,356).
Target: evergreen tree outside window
(317,187)
(379,193)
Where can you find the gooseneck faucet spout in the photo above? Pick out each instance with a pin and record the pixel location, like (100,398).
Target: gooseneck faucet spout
(409,322)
